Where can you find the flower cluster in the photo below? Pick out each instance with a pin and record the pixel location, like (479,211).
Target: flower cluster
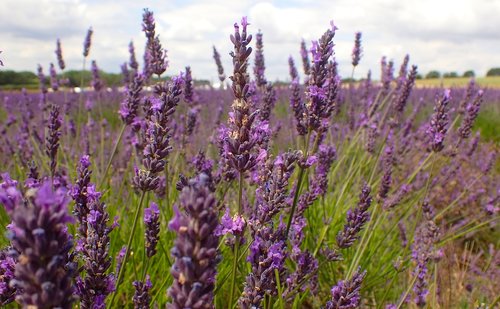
(195,248)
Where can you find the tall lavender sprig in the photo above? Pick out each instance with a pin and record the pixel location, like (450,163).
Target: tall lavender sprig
(195,248)
(96,77)
(218,62)
(188,86)
(97,283)
(133,60)
(130,105)
(293,69)
(345,294)
(39,234)
(59,55)
(318,107)
(152,228)
(158,61)
(87,43)
(305,58)
(158,135)
(298,107)
(356,51)
(259,65)
(356,218)
(54,83)
(405,91)
(439,122)
(472,112)
(52,140)
(79,193)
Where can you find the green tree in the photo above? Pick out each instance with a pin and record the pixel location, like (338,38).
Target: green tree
(493,72)
(469,73)
(433,74)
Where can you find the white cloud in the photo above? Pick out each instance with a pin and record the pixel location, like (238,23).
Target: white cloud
(445,35)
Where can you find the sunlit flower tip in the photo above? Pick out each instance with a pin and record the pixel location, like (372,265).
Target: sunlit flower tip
(244,21)
(334,27)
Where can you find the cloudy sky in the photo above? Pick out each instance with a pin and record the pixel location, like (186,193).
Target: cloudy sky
(446,35)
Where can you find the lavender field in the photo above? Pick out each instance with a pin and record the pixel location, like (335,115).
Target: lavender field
(327,191)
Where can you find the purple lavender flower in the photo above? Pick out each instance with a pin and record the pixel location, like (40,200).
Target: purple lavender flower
(305,58)
(39,233)
(152,228)
(439,122)
(269,101)
(52,140)
(259,66)
(470,116)
(195,249)
(142,299)
(53,78)
(158,62)
(119,259)
(7,267)
(133,61)
(97,283)
(220,68)
(405,91)
(469,94)
(345,294)
(356,51)
(96,78)
(298,107)
(79,193)
(59,55)
(386,181)
(188,86)
(41,80)
(158,135)
(129,107)
(319,107)
(293,69)
(87,43)
(426,235)
(356,218)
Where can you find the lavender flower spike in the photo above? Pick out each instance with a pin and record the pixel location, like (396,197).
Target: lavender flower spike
(53,78)
(470,116)
(195,249)
(152,225)
(305,58)
(87,43)
(356,51)
(39,233)
(439,122)
(218,62)
(129,107)
(97,283)
(158,61)
(345,295)
(142,299)
(259,66)
(356,218)
(52,140)
(133,61)
(59,55)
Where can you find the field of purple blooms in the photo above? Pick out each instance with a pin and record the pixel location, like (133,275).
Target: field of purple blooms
(321,193)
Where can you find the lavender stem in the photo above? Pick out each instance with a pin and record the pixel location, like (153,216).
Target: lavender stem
(115,147)
(237,243)
(129,243)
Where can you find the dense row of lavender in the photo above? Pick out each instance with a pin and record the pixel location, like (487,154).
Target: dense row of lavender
(316,194)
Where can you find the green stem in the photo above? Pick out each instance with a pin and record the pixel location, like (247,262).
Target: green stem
(236,245)
(115,147)
(129,243)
